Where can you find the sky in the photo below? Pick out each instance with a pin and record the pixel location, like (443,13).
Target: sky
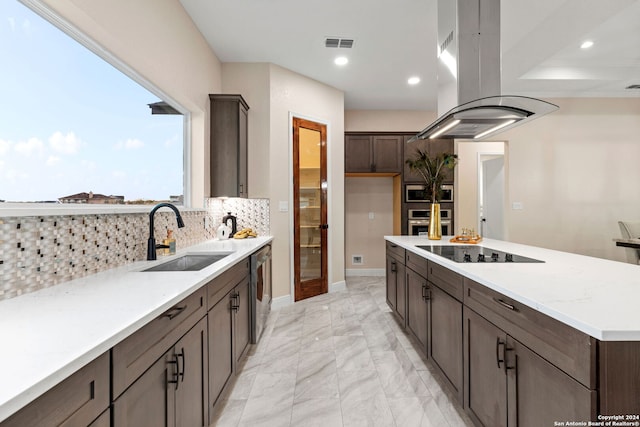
(70,122)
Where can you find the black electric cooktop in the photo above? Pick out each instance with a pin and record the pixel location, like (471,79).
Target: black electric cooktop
(472,253)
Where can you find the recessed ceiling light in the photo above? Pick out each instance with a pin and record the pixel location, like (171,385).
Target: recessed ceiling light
(341,60)
(586,45)
(413,80)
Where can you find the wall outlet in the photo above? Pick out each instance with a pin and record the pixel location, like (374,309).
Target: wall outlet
(517,206)
(283,206)
(357,259)
(372,215)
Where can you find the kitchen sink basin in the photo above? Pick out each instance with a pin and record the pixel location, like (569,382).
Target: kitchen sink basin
(190,262)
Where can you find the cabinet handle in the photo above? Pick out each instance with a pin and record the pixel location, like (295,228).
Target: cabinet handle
(181,356)
(393,245)
(174,312)
(176,373)
(500,343)
(425,292)
(235,304)
(241,188)
(507,367)
(394,268)
(505,304)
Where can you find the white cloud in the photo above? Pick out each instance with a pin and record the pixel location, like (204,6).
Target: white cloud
(119,174)
(67,144)
(129,144)
(5,146)
(53,160)
(88,164)
(29,147)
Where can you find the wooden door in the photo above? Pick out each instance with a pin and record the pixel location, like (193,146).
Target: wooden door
(445,347)
(541,394)
(220,331)
(387,154)
(241,327)
(310,208)
(486,382)
(417,307)
(150,399)
(191,393)
(357,154)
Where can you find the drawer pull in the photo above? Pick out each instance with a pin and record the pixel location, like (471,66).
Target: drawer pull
(425,292)
(181,356)
(394,268)
(235,303)
(505,304)
(499,344)
(174,312)
(176,373)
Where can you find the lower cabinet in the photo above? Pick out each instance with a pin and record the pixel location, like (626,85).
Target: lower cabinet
(76,401)
(395,281)
(508,384)
(172,391)
(229,332)
(418,308)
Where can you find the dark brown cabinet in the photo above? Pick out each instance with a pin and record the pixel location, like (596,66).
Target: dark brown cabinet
(228,328)
(395,281)
(373,153)
(228,146)
(508,384)
(418,294)
(172,391)
(77,401)
(431,146)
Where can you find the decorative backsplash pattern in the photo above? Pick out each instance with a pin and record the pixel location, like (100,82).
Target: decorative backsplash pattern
(42,251)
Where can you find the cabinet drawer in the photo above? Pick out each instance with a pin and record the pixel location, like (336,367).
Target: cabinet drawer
(139,351)
(221,285)
(396,251)
(447,280)
(76,401)
(418,264)
(567,348)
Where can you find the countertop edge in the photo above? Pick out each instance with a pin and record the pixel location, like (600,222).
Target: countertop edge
(75,363)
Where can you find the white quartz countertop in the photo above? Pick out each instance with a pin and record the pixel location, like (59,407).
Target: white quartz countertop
(596,296)
(48,335)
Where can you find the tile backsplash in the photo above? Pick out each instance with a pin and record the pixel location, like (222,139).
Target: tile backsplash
(42,251)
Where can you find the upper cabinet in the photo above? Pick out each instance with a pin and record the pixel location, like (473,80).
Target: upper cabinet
(373,153)
(228,146)
(431,146)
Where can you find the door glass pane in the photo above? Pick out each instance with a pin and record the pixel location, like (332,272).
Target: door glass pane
(310,204)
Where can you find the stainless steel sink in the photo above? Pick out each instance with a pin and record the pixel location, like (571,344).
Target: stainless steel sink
(190,262)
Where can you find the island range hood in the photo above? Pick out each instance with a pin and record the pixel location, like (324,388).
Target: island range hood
(470,104)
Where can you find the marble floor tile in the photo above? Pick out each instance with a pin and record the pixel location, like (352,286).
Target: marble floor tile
(340,359)
(317,413)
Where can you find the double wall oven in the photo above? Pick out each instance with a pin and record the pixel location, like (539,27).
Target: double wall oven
(418,222)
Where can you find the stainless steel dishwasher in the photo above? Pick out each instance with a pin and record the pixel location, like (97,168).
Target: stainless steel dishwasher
(260,289)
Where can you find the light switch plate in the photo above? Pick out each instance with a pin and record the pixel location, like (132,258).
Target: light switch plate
(283,206)
(517,206)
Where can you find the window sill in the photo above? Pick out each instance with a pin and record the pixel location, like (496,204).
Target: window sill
(53,209)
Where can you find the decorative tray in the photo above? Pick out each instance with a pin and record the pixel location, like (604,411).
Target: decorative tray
(466,239)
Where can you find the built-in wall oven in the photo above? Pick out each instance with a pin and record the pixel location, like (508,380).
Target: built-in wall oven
(417,193)
(418,222)
(260,291)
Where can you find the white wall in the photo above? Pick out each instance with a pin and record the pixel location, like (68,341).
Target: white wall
(577,172)
(158,40)
(387,120)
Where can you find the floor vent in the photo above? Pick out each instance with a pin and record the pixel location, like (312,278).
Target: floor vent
(338,42)
(357,260)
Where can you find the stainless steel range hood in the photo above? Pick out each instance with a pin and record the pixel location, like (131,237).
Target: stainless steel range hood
(470,104)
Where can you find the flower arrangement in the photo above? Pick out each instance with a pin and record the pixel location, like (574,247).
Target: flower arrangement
(432,170)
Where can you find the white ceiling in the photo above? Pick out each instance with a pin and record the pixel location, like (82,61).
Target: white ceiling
(396,39)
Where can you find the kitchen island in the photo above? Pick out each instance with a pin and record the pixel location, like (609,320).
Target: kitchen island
(52,334)
(553,341)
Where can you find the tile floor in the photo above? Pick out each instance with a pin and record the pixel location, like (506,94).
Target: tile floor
(338,359)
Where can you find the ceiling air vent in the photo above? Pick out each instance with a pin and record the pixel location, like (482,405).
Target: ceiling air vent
(338,42)
(633,87)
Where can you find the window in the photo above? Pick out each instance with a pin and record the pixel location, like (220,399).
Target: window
(74,128)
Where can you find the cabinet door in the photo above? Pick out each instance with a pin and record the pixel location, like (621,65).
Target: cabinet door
(541,394)
(486,383)
(220,332)
(417,307)
(401,293)
(446,337)
(150,400)
(243,153)
(357,152)
(387,154)
(391,279)
(191,392)
(242,320)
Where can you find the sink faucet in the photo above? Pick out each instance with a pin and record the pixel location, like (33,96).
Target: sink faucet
(151,244)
